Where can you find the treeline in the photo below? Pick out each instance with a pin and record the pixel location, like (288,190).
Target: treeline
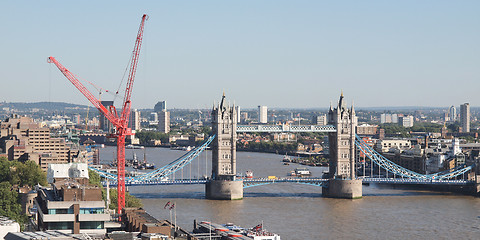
(14,173)
(146,136)
(398,130)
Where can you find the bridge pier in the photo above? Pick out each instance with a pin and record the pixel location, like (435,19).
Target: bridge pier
(343,188)
(224,190)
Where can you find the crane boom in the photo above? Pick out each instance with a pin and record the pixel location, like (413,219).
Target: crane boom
(131,76)
(71,77)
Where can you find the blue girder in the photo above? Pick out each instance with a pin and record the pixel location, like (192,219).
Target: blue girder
(401,171)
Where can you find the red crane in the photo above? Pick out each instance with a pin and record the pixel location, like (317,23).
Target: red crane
(120,122)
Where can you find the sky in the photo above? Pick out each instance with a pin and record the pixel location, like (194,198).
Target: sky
(284,54)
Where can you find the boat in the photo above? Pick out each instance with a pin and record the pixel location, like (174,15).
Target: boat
(302,172)
(286,158)
(131,146)
(231,231)
(249,174)
(286,163)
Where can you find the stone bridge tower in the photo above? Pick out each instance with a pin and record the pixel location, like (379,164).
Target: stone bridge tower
(223,183)
(343,183)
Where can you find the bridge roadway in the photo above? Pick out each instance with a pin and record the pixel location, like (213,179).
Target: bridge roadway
(251,182)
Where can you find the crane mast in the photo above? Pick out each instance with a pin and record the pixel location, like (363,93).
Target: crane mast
(120,122)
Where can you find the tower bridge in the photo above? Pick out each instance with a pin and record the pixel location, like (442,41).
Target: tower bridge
(340,182)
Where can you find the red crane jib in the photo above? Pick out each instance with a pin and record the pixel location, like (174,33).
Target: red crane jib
(120,122)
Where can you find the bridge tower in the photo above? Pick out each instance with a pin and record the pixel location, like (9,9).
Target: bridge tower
(223,184)
(343,182)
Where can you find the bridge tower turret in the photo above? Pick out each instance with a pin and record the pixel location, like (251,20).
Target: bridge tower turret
(223,184)
(343,183)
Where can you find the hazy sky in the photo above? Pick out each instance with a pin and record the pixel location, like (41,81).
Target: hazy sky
(274,53)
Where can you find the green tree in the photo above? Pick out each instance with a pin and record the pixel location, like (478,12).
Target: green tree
(9,204)
(94,178)
(130,200)
(30,174)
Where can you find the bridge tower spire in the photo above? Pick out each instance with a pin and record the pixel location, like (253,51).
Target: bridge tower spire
(223,183)
(343,183)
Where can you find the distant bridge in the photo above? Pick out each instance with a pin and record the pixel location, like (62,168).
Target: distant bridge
(285,128)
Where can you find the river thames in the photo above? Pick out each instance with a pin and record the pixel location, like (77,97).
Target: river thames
(296,211)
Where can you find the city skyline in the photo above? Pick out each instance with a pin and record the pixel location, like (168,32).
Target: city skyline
(281,54)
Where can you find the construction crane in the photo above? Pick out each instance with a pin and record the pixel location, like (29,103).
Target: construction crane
(120,122)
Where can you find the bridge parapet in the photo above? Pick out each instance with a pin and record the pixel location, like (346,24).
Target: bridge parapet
(285,128)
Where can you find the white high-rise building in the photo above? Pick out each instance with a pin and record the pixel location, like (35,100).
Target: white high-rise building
(465,117)
(406,121)
(262,114)
(453,113)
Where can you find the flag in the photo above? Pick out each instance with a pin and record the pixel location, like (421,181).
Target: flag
(172,206)
(258,227)
(166,205)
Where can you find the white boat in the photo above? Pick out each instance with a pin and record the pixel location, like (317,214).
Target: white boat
(286,158)
(249,174)
(302,172)
(130,146)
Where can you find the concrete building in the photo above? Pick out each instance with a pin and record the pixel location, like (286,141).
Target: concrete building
(164,122)
(452,113)
(104,123)
(465,117)
(134,120)
(390,145)
(262,114)
(22,139)
(367,129)
(71,206)
(405,121)
(319,119)
(388,118)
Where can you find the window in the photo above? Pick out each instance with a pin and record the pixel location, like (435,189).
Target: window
(91,225)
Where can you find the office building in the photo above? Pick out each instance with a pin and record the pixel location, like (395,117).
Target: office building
(160,106)
(22,139)
(452,113)
(71,206)
(465,117)
(262,114)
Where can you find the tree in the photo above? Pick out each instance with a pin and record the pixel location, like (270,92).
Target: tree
(30,174)
(9,203)
(130,200)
